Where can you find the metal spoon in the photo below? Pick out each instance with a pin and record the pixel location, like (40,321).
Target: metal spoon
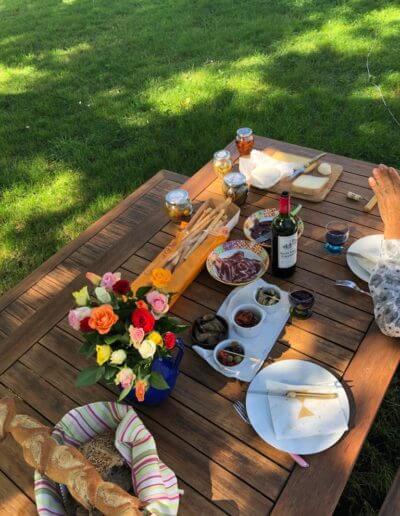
(241,410)
(352,285)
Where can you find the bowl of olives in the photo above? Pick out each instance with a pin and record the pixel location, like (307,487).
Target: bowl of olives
(229,353)
(268,298)
(209,330)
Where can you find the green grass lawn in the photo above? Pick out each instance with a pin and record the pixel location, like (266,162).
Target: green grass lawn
(97,95)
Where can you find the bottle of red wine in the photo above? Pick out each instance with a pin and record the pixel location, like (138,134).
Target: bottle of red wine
(284,240)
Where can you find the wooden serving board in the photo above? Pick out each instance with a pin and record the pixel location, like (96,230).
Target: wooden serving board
(286,184)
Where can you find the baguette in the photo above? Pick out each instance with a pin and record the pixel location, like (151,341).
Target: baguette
(64,464)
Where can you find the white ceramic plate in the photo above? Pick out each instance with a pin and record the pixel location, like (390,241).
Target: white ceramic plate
(296,372)
(369,245)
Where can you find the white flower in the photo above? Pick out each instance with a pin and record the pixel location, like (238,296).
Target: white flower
(102,295)
(118,357)
(147,348)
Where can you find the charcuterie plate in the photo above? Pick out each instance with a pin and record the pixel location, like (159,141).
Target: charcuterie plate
(237,262)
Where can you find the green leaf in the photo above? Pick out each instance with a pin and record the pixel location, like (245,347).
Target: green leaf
(157,381)
(87,349)
(142,291)
(125,392)
(110,372)
(113,338)
(89,376)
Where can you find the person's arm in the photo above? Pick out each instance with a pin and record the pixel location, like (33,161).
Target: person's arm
(384,286)
(384,283)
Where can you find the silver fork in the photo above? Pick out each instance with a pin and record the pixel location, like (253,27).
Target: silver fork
(241,410)
(351,284)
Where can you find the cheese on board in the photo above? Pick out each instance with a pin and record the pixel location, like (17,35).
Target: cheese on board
(309,185)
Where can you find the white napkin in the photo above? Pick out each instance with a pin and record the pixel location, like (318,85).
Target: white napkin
(293,418)
(263,171)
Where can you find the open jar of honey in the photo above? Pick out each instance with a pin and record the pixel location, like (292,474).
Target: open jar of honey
(222,163)
(178,206)
(244,140)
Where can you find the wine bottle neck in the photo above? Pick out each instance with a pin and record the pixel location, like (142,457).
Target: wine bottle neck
(284,205)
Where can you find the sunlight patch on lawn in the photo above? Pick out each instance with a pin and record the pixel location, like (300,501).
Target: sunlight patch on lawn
(19,80)
(184,91)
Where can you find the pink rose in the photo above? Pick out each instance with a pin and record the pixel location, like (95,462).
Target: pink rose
(125,377)
(136,335)
(77,315)
(109,279)
(158,303)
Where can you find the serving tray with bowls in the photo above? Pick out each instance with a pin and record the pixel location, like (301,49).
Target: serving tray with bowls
(256,341)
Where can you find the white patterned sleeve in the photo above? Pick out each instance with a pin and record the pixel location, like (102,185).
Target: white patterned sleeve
(384,285)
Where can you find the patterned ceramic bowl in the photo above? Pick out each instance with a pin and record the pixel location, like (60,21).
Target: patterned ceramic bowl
(237,262)
(265,216)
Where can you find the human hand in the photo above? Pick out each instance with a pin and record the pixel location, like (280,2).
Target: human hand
(386,186)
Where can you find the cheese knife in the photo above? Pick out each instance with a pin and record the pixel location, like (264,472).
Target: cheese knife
(307,167)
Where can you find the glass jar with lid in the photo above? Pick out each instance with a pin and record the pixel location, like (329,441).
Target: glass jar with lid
(244,140)
(222,163)
(178,206)
(235,187)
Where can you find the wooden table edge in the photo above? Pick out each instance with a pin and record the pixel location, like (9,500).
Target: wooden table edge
(57,258)
(329,471)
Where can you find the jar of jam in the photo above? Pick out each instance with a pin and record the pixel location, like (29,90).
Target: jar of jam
(222,163)
(235,187)
(178,206)
(244,140)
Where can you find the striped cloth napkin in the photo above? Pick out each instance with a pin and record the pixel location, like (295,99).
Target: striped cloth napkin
(154,483)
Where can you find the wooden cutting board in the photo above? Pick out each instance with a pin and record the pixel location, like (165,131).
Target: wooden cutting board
(286,184)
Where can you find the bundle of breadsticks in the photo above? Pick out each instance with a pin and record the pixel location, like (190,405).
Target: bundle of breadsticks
(208,220)
(64,464)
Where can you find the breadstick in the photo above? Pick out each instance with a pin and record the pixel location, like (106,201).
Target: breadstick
(204,235)
(197,215)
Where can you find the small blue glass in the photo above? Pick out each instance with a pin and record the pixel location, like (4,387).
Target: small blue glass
(337,234)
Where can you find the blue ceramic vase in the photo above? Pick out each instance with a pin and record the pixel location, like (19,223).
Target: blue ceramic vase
(169,368)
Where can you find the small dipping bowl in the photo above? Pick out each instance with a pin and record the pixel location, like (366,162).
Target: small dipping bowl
(248,331)
(268,308)
(226,344)
(208,343)
(301,302)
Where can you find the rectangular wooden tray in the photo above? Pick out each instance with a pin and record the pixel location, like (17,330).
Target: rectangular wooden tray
(285,184)
(187,271)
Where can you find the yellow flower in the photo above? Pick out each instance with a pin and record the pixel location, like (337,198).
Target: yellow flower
(155,337)
(103,353)
(81,296)
(160,277)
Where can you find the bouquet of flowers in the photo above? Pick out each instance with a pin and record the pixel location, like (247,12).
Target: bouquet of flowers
(126,330)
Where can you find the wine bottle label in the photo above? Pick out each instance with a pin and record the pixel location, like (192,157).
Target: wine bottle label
(287,251)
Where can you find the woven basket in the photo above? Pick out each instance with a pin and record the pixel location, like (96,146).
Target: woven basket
(154,483)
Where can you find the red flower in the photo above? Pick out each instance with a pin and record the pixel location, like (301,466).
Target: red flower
(84,325)
(142,318)
(169,340)
(121,287)
(142,304)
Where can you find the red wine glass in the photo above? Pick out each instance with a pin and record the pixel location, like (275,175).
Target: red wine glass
(337,234)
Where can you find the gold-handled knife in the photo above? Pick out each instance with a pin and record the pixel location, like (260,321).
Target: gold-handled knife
(307,167)
(299,394)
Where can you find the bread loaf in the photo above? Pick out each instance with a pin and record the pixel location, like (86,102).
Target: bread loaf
(64,464)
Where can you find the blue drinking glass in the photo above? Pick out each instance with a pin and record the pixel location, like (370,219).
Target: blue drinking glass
(337,234)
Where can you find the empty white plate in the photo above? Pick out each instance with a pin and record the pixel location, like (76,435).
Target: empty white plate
(369,245)
(295,372)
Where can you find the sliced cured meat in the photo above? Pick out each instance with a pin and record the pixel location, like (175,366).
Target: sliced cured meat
(237,268)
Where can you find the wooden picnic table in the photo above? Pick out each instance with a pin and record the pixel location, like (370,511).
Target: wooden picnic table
(221,464)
